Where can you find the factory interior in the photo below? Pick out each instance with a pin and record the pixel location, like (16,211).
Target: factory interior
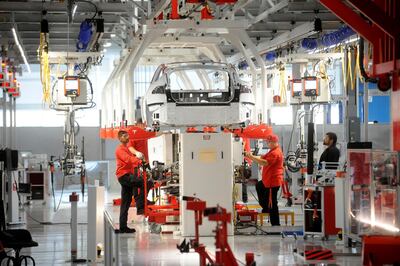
(200,132)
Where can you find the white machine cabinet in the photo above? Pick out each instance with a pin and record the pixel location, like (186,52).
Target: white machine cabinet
(206,172)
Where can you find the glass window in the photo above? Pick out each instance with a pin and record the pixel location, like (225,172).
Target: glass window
(210,80)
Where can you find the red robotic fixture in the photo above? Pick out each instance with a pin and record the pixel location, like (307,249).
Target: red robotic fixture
(223,252)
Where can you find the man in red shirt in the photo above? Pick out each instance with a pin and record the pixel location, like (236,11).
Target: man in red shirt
(272,178)
(126,165)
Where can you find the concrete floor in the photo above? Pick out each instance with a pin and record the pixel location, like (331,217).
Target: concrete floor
(144,248)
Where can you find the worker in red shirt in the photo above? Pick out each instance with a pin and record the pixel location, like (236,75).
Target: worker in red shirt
(272,178)
(139,147)
(126,165)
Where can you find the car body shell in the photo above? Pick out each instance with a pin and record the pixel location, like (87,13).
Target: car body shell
(164,105)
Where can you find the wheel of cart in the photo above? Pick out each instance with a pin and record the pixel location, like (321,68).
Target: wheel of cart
(155,228)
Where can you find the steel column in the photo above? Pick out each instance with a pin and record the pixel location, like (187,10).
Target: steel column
(10,129)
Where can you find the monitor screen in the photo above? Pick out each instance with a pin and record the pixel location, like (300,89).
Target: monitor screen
(71,84)
(311,84)
(297,87)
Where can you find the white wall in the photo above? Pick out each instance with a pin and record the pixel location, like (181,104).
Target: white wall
(49,140)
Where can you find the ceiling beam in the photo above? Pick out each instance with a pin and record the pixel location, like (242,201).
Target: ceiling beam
(310,6)
(51,7)
(266,13)
(302,31)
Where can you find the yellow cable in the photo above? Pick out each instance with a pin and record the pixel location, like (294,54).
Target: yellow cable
(44,68)
(349,72)
(357,66)
(344,69)
(282,86)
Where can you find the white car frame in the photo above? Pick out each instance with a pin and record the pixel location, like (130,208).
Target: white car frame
(183,94)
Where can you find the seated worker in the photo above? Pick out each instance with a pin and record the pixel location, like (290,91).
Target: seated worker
(126,163)
(331,154)
(272,178)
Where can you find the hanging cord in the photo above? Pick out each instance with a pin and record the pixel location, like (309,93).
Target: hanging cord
(344,73)
(282,86)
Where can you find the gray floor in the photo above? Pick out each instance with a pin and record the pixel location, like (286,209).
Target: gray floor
(144,248)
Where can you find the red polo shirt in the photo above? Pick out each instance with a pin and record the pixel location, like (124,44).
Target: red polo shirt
(272,173)
(141,146)
(126,161)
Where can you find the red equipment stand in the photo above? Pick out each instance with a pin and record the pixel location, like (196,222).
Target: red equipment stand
(158,214)
(319,211)
(223,254)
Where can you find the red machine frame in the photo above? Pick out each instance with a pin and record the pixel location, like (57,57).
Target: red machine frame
(383,33)
(223,254)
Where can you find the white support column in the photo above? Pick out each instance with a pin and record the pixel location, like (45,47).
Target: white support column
(95,233)
(235,40)
(264,104)
(10,128)
(14,123)
(130,116)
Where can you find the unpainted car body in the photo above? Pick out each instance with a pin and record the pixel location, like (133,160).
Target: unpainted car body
(197,94)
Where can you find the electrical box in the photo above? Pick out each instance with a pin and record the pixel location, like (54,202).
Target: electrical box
(71,90)
(161,149)
(310,86)
(309,90)
(71,86)
(296,88)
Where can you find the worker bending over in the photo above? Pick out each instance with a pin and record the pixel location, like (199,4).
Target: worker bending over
(331,154)
(272,178)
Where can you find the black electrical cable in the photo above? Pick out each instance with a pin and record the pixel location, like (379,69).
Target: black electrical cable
(89,2)
(34,219)
(361,62)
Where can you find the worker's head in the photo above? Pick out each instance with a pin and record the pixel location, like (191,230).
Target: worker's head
(272,141)
(123,136)
(330,139)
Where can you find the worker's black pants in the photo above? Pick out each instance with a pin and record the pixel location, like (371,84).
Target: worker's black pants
(129,184)
(263,198)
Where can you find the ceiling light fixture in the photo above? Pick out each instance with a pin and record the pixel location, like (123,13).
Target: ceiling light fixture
(112,35)
(107,44)
(20,49)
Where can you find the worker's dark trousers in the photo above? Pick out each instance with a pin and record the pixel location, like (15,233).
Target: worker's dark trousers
(129,183)
(139,195)
(263,198)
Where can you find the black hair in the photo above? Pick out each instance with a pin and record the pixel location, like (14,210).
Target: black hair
(121,133)
(333,137)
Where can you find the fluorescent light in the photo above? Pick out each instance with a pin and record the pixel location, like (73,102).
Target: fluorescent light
(104,50)
(20,49)
(107,44)
(113,35)
(15,36)
(384,226)
(74,10)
